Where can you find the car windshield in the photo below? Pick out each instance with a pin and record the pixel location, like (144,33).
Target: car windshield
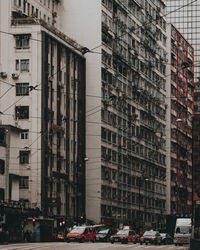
(103,231)
(123,232)
(183,230)
(78,230)
(149,233)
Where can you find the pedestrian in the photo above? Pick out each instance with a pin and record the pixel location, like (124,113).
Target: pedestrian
(7,236)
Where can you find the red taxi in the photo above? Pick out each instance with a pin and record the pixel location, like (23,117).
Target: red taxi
(81,234)
(152,237)
(124,236)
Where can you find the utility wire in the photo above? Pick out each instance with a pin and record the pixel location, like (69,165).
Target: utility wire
(41,41)
(38,85)
(33,88)
(6,92)
(183,6)
(95,96)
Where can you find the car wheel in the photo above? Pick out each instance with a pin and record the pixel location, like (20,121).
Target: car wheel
(112,242)
(140,243)
(176,244)
(82,240)
(68,241)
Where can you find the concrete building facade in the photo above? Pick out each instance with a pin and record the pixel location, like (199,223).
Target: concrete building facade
(43,93)
(186,19)
(180,100)
(125,108)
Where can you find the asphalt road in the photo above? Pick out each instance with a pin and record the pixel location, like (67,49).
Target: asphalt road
(87,246)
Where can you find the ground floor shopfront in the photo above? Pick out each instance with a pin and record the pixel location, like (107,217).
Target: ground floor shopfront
(19,224)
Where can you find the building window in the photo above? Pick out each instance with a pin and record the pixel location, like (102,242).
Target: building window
(22,89)
(22,112)
(2,137)
(2,194)
(2,166)
(24,65)
(58,187)
(28,9)
(24,6)
(24,157)
(24,135)
(17,65)
(22,41)
(24,182)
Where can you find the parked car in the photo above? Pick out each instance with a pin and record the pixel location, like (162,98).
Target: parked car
(104,234)
(152,237)
(60,236)
(137,238)
(124,236)
(81,234)
(166,239)
(99,227)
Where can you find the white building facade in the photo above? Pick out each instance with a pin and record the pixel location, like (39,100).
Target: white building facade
(43,93)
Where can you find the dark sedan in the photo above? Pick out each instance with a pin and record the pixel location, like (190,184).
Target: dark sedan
(104,235)
(166,239)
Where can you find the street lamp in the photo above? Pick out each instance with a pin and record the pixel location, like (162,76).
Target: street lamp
(140,182)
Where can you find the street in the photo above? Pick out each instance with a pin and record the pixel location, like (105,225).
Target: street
(87,246)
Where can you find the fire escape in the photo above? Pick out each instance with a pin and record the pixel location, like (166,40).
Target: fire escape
(181,128)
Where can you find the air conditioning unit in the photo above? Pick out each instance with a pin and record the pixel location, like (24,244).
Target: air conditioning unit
(104,84)
(54,14)
(3,74)
(60,84)
(50,78)
(15,76)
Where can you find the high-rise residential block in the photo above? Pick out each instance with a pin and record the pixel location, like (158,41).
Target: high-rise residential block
(125,109)
(180,101)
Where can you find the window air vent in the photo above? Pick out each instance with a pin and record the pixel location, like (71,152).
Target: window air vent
(3,74)
(15,76)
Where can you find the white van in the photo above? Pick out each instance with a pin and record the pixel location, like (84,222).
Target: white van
(183,231)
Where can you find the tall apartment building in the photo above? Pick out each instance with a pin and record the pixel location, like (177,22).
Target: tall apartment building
(42,89)
(184,16)
(186,19)
(125,108)
(180,101)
